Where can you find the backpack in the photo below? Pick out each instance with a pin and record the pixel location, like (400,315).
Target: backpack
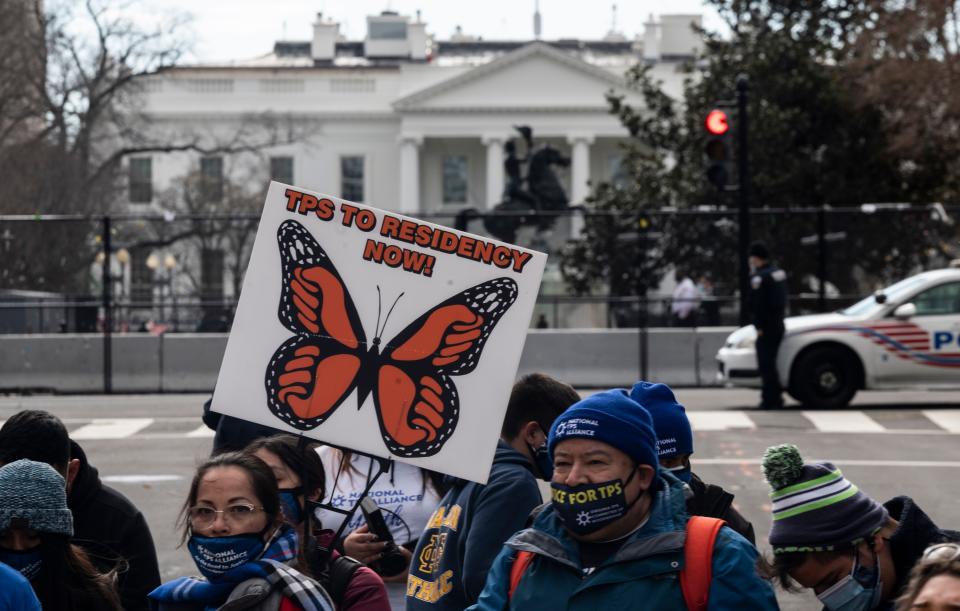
(337,577)
(695,577)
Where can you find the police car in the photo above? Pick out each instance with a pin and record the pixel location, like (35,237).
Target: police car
(906,335)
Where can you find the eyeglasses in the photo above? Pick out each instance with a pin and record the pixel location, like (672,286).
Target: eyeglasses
(941,552)
(237,515)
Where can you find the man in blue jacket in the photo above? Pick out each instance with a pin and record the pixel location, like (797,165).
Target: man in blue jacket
(473,521)
(613,536)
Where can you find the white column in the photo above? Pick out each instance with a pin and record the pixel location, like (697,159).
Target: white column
(579,177)
(494,144)
(410,173)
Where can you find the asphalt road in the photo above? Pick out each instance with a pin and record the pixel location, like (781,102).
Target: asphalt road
(888,443)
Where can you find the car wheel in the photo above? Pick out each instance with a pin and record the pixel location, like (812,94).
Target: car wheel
(825,378)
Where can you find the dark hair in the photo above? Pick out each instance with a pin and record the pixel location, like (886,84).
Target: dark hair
(778,567)
(261,479)
(35,435)
(69,580)
(536,397)
(924,571)
(301,459)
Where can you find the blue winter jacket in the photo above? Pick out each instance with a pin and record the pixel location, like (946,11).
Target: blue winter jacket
(642,575)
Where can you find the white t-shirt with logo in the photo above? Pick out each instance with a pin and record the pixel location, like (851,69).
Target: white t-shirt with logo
(404,498)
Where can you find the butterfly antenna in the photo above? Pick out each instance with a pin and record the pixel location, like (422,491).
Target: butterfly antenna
(391,311)
(376,329)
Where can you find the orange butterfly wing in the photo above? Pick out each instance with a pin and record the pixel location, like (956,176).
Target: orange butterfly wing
(312,373)
(417,403)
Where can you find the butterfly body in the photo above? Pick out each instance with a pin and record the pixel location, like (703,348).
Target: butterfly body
(409,378)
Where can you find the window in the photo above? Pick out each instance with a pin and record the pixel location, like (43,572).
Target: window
(938,301)
(387,30)
(618,174)
(141,180)
(454,179)
(141,279)
(211,179)
(351,178)
(211,275)
(281,169)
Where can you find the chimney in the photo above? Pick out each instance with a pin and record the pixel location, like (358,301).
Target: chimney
(651,40)
(678,40)
(417,35)
(323,47)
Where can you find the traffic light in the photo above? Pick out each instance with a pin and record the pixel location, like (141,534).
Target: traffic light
(717,150)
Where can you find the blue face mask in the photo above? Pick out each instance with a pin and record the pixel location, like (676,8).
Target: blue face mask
(682,473)
(27,561)
(215,556)
(858,591)
(541,458)
(292,510)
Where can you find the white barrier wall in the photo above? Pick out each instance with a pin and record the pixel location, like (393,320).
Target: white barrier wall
(185,362)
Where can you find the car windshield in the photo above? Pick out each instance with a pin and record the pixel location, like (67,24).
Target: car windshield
(894,293)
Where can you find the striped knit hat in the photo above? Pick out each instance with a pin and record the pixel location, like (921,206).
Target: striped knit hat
(815,508)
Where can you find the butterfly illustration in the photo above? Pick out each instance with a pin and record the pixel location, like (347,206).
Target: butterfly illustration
(312,373)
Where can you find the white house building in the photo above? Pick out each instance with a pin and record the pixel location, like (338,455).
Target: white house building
(404,121)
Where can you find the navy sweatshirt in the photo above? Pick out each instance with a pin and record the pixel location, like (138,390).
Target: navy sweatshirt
(467,531)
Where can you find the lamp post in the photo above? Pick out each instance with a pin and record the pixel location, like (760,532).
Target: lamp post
(169,263)
(104,259)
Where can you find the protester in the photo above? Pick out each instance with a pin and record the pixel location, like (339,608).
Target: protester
(674,447)
(473,521)
(686,301)
(614,535)
(301,483)
(232,434)
(233,526)
(16,594)
(406,496)
(935,581)
(829,536)
(106,524)
(35,530)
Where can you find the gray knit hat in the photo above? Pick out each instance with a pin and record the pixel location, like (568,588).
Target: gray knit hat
(815,508)
(34,492)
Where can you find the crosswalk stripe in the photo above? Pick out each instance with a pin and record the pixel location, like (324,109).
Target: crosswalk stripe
(947,419)
(111,428)
(201,431)
(838,421)
(719,420)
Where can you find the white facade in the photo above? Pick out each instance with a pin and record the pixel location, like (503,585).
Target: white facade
(410,106)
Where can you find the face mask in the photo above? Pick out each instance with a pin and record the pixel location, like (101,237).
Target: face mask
(541,458)
(215,556)
(858,591)
(27,561)
(682,473)
(587,508)
(292,510)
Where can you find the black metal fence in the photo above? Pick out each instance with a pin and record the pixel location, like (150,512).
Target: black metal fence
(167,273)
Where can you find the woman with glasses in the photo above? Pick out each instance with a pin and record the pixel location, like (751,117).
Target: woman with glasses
(35,530)
(935,581)
(300,477)
(234,529)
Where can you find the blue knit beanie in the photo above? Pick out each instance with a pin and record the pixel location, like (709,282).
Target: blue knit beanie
(670,422)
(36,493)
(613,418)
(815,508)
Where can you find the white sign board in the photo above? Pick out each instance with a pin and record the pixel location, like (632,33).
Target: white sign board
(377,332)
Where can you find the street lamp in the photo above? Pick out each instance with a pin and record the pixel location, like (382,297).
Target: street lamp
(169,263)
(122,258)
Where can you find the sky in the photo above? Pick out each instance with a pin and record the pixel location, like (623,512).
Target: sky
(242,29)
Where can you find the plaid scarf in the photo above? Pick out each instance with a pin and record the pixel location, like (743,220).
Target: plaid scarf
(270,567)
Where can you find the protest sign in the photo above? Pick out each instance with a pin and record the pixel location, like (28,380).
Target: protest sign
(376,332)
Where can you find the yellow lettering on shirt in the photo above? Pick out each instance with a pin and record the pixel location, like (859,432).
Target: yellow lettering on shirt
(453,518)
(436,520)
(430,591)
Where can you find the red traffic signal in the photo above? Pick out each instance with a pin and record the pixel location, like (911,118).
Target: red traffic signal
(717,123)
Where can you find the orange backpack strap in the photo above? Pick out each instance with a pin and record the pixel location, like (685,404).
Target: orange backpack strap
(698,561)
(520,564)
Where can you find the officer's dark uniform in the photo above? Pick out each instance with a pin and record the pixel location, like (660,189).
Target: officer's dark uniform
(769,298)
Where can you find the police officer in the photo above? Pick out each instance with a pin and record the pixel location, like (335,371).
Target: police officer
(768,286)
